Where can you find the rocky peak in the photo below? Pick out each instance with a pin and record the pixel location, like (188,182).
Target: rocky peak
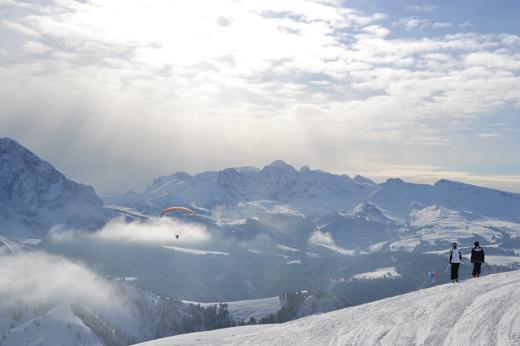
(362,180)
(369,211)
(36,196)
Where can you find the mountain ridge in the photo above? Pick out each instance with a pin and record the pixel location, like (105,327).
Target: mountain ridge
(318,193)
(35,196)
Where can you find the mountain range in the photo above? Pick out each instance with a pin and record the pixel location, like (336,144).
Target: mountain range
(258,233)
(316,193)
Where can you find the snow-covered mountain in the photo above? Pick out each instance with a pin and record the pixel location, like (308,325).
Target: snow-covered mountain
(401,198)
(475,312)
(257,233)
(287,205)
(35,197)
(309,191)
(143,316)
(49,301)
(336,228)
(316,194)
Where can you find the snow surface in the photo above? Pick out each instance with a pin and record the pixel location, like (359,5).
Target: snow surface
(484,311)
(53,327)
(404,245)
(195,251)
(437,223)
(380,273)
(339,249)
(287,248)
(506,261)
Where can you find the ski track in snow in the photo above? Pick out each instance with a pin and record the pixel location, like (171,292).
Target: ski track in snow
(483,311)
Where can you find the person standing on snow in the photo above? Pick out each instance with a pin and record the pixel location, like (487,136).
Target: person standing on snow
(477,258)
(455,260)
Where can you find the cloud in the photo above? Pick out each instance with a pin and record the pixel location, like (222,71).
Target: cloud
(14,3)
(377,30)
(35,47)
(211,85)
(489,135)
(421,8)
(38,280)
(20,28)
(494,60)
(411,23)
(325,240)
(442,25)
(465,25)
(153,231)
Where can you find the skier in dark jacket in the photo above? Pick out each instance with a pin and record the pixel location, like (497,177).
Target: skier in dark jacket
(477,258)
(455,260)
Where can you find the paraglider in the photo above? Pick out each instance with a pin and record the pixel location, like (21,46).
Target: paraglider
(177,209)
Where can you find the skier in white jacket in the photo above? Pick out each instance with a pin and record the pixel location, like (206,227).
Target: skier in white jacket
(455,260)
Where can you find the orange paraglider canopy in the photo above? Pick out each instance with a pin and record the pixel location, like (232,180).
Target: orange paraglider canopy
(179,209)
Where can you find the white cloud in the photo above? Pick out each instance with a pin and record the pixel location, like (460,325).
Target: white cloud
(179,90)
(421,8)
(38,280)
(494,60)
(442,25)
(465,25)
(35,47)
(154,231)
(20,28)
(14,3)
(377,30)
(411,23)
(325,240)
(489,135)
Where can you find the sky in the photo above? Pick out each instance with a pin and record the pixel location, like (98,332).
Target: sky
(117,92)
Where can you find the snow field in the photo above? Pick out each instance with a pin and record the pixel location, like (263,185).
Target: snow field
(484,311)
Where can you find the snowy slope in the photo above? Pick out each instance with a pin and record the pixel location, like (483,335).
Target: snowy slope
(379,273)
(402,198)
(35,197)
(46,327)
(483,311)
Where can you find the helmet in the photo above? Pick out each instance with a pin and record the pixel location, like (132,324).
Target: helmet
(476,243)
